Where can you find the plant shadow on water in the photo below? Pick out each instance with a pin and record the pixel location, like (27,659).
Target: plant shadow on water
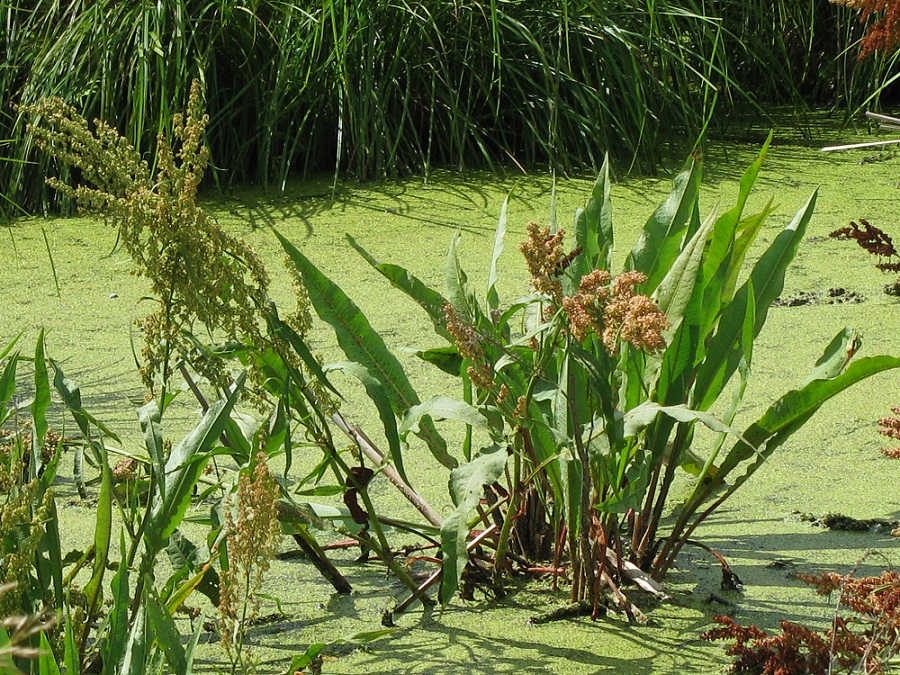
(767,554)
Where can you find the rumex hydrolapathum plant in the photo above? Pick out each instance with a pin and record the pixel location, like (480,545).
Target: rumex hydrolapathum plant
(882,34)
(586,393)
(204,279)
(890,427)
(874,241)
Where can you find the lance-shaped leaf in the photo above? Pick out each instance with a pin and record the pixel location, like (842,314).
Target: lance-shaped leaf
(788,414)
(725,256)
(639,418)
(466,487)
(184,466)
(445,358)
(8,387)
(493,298)
(39,404)
(113,647)
(71,397)
(149,418)
(427,298)
(162,626)
(593,230)
(135,656)
(47,664)
(729,345)
(660,241)
(443,407)
(93,589)
(362,344)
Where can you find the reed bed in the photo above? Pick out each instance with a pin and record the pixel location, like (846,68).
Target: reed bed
(378,88)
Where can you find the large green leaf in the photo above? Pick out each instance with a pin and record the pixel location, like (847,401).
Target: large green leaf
(7,665)
(137,644)
(362,344)
(427,298)
(725,256)
(184,467)
(39,404)
(639,418)
(51,546)
(792,410)
(8,387)
(769,271)
(458,292)
(594,228)
(47,664)
(149,418)
(189,559)
(493,298)
(443,407)
(113,646)
(466,487)
(679,295)
(166,634)
(356,337)
(379,397)
(660,241)
(728,345)
(727,348)
(446,358)
(70,393)
(93,589)
(70,650)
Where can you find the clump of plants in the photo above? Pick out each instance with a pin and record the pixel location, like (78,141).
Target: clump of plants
(865,641)
(580,400)
(214,322)
(579,405)
(201,277)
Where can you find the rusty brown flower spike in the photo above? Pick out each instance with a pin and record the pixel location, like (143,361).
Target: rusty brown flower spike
(882,20)
(545,258)
(611,308)
(873,239)
(890,427)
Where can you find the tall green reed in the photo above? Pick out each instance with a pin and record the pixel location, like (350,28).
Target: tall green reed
(373,88)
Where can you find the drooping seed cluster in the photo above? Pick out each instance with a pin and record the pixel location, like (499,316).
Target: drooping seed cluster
(607,306)
(201,276)
(252,540)
(611,308)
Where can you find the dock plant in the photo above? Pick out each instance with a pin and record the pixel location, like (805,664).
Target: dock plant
(581,399)
(216,329)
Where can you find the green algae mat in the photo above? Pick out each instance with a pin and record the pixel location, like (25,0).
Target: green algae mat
(69,278)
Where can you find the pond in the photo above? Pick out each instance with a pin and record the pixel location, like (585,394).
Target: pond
(87,299)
